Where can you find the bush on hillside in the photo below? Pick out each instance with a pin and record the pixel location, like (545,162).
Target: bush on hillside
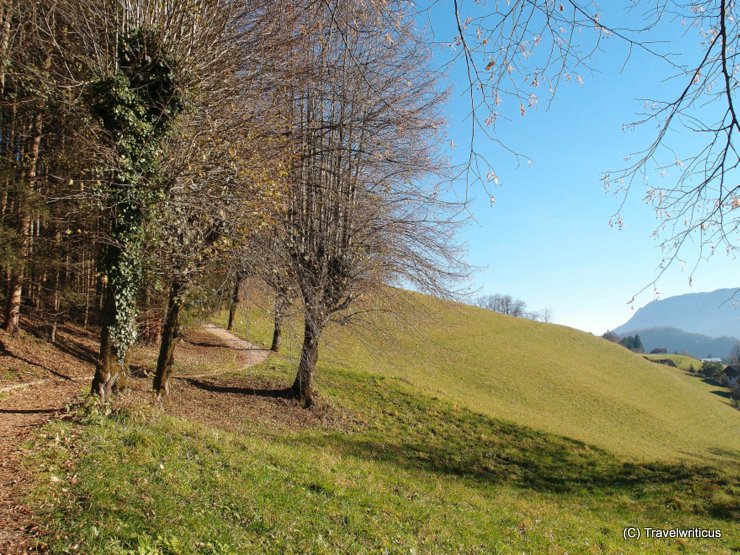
(712,369)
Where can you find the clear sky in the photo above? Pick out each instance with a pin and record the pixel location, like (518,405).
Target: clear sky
(547,240)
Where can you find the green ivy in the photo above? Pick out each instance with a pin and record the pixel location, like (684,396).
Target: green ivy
(136,105)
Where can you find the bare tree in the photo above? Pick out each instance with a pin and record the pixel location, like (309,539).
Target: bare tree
(272,268)
(503,304)
(359,212)
(734,354)
(546,315)
(225,165)
(611,336)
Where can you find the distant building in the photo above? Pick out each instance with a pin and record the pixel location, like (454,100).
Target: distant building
(659,351)
(711,360)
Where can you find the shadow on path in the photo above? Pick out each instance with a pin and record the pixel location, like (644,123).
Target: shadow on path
(284,393)
(30,411)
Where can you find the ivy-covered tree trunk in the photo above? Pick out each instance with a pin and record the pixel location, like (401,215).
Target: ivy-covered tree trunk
(171,334)
(136,106)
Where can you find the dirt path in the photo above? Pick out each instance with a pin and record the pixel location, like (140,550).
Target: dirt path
(25,407)
(250,354)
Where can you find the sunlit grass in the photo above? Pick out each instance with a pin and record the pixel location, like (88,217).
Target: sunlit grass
(413,475)
(684,362)
(549,377)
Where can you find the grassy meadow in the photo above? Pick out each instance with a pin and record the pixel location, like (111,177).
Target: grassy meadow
(400,473)
(441,429)
(684,362)
(545,376)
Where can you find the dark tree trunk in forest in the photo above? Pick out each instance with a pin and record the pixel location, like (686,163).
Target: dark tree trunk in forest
(277,332)
(171,334)
(303,387)
(110,370)
(234,300)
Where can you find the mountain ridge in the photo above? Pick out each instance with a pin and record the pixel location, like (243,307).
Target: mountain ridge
(714,314)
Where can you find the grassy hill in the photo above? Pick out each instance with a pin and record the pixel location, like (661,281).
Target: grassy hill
(549,377)
(378,467)
(684,362)
(441,429)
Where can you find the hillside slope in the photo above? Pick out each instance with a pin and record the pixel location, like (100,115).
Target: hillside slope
(714,314)
(549,377)
(376,467)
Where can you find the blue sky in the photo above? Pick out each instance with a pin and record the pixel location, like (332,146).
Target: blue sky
(548,240)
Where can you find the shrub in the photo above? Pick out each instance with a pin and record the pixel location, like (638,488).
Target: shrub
(711,369)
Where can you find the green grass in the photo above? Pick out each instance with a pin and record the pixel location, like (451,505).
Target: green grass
(684,362)
(413,475)
(548,377)
(457,431)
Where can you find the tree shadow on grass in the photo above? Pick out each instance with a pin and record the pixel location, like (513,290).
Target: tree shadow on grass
(280,393)
(726,394)
(553,468)
(460,443)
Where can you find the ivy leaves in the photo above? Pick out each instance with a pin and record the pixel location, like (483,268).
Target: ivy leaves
(137,105)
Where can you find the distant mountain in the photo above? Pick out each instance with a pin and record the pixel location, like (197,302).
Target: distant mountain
(675,340)
(715,314)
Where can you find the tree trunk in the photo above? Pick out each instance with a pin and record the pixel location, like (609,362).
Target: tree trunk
(171,334)
(15,291)
(109,369)
(303,387)
(13,303)
(5,44)
(277,332)
(234,300)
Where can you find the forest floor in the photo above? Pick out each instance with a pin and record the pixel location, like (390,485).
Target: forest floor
(40,382)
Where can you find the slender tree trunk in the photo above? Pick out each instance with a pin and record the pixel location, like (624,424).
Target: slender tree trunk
(171,334)
(109,369)
(5,44)
(15,290)
(277,332)
(303,386)
(56,300)
(234,300)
